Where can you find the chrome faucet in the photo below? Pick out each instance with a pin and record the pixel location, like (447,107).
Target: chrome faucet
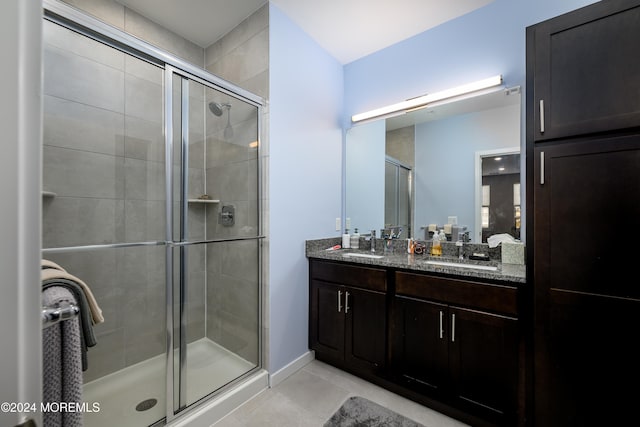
(373,240)
(460,245)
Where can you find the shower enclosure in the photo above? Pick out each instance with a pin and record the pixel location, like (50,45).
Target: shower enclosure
(152,197)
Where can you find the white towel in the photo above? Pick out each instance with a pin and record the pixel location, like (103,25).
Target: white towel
(495,239)
(50,264)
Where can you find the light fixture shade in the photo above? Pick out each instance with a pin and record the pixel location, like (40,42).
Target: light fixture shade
(424,100)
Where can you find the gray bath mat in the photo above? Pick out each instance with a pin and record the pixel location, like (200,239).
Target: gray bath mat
(360,412)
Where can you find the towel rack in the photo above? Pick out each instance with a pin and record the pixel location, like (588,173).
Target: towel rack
(53,315)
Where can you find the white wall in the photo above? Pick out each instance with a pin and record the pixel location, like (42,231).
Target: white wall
(305,137)
(20,176)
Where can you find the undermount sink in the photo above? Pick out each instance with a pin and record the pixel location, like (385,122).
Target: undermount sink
(357,255)
(461,265)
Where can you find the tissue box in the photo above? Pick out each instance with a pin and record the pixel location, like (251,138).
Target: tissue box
(512,253)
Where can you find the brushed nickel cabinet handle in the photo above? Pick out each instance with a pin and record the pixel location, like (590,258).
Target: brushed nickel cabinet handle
(339,301)
(542,116)
(346,302)
(441,328)
(453,327)
(542,168)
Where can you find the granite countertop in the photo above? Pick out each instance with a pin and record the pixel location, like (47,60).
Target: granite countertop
(512,273)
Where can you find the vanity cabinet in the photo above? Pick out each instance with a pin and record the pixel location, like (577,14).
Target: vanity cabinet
(347,315)
(457,341)
(584,71)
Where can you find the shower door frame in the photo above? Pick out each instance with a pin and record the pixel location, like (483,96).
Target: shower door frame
(77,21)
(182,241)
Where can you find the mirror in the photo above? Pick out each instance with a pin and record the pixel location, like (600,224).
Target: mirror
(425,167)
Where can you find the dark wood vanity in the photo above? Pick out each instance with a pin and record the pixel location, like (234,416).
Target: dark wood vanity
(452,343)
(558,349)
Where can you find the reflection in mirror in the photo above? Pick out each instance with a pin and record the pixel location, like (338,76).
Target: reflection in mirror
(498,193)
(397,197)
(439,145)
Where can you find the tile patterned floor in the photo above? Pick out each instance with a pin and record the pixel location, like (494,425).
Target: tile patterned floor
(310,396)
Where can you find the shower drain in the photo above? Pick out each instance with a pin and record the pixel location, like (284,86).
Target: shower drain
(145,405)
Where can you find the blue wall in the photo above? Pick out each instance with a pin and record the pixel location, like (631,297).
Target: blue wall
(305,175)
(312,97)
(483,43)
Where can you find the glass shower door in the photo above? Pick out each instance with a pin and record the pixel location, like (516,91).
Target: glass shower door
(216,243)
(103,214)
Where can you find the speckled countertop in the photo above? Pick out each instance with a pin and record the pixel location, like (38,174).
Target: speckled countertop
(398,258)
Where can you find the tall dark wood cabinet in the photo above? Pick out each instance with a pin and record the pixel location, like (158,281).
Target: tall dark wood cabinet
(583,214)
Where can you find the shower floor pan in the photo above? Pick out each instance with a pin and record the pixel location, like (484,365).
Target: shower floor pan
(210,367)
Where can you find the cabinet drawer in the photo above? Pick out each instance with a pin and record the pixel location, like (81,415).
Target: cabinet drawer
(484,296)
(362,277)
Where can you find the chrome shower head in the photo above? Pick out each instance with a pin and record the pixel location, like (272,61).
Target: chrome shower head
(218,108)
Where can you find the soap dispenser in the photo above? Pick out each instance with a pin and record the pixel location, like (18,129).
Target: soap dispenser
(346,239)
(436,248)
(355,240)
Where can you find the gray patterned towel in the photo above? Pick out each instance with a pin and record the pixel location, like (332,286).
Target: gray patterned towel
(61,363)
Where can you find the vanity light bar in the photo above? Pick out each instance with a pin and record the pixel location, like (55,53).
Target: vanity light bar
(422,101)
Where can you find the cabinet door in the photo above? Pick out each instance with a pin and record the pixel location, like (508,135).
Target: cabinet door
(483,359)
(326,319)
(586,67)
(589,370)
(419,340)
(366,327)
(586,201)
(587,216)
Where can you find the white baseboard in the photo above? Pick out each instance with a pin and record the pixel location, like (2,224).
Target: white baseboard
(211,412)
(290,369)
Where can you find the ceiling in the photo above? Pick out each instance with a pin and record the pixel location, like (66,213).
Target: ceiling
(347,29)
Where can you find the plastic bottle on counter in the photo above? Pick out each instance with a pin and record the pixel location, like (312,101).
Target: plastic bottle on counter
(346,239)
(436,248)
(355,240)
(443,238)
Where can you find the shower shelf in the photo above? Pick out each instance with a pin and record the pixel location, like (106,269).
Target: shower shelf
(48,194)
(203,201)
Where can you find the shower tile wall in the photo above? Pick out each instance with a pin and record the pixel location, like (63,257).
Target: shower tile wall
(242,57)
(103,156)
(121,145)
(119,16)
(400,144)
